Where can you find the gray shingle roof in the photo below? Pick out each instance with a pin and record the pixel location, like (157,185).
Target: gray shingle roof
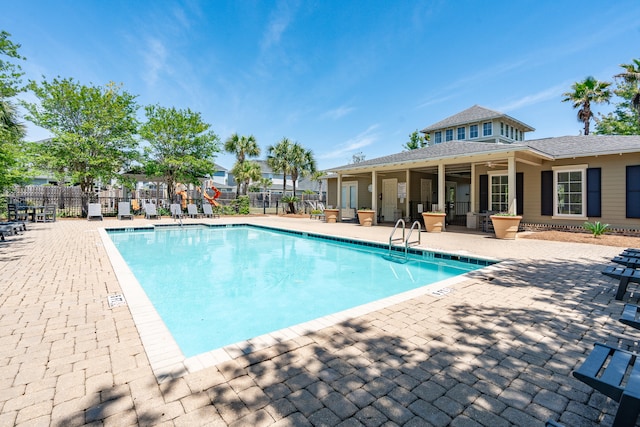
(473,114)
(555,148)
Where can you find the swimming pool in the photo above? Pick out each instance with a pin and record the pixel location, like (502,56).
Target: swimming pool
(215,286)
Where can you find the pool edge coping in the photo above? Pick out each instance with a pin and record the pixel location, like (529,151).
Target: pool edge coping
(167,360)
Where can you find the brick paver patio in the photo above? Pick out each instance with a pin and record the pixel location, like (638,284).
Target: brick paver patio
(496,351)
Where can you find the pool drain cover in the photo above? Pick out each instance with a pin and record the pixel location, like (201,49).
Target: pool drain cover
(116,300)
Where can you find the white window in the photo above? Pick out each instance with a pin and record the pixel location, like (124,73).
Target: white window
(473,131)
(487,129)
(570,186)
(448,134)
(437,137)
(499,192)
(461,133)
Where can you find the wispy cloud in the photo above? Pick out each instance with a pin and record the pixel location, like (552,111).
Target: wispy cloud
(278,23)
(337,113)
(353,145)
(536,98)
(155,59)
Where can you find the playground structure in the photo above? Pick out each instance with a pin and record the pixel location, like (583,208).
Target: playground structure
(212,200)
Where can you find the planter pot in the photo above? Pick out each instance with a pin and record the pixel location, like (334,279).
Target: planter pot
(331,215)
(505,227)
(366,217)
(433,222)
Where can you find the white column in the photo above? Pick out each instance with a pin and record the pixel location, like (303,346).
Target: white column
(511,182)
(441,187)
(472,190)
(339,196)
(374,195)
(406,201)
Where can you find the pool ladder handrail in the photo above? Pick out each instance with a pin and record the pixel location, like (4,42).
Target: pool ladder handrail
(406,240)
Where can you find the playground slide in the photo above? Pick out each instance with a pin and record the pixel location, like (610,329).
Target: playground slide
(212,200)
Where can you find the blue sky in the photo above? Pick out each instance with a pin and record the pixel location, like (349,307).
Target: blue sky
(339,77)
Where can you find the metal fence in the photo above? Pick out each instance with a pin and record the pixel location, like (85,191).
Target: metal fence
(71,202)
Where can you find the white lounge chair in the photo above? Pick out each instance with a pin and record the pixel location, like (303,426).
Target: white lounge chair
(124,210)
(192,210)
(94,211)
(150,211)
(176,210)
(207,211)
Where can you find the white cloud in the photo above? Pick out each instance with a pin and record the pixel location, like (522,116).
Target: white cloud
(353,145)
(536,98)
(155,58)
(278,23)
(337,113)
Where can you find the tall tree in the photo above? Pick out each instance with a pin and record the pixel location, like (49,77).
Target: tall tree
(12,131)
(301,163)
(245,172)
(93,129)
(242,147)
(625,119)
(182,147)
(585,93)
(416,141)
(631,76)
(277,159)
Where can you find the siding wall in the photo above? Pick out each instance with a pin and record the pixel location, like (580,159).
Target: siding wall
(613,190)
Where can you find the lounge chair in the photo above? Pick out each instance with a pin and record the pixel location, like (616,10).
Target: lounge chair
(614,373)
(624,275)
(627,261)
(631,316)
(207,211)
(124,210)
(94,211)
(192,211)
(48,214)
(176,210)
(150,211)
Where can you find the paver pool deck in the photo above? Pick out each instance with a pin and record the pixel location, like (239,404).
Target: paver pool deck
(497,350)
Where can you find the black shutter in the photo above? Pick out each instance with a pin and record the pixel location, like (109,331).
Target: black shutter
(519,193)
(546,193)
(484,193)
(633,192)
(594,198)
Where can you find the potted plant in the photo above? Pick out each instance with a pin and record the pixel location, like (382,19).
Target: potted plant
(433,221)
(505,225)
(365,216)
(331,215)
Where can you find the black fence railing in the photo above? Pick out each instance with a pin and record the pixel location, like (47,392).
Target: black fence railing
(72,204)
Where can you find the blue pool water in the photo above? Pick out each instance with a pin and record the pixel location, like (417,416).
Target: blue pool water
(214,286)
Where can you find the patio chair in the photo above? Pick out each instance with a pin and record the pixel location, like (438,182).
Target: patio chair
(176,210)
(124,210)
(48,214)
(16,213)
(151,212)
(628,261)
(614,373)
(624,275)
(94,211)
(16,226)
(192,211)
(207,211)
(631,316)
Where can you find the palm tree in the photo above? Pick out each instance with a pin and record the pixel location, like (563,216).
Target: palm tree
(277,159)
(242,147)
(10,126)
(301,163)
(632,76)
(245,172)
(584,93)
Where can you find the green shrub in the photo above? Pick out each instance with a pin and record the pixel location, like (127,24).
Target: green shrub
(596,228)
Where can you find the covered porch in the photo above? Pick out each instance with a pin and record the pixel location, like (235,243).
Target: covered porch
(462,186)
